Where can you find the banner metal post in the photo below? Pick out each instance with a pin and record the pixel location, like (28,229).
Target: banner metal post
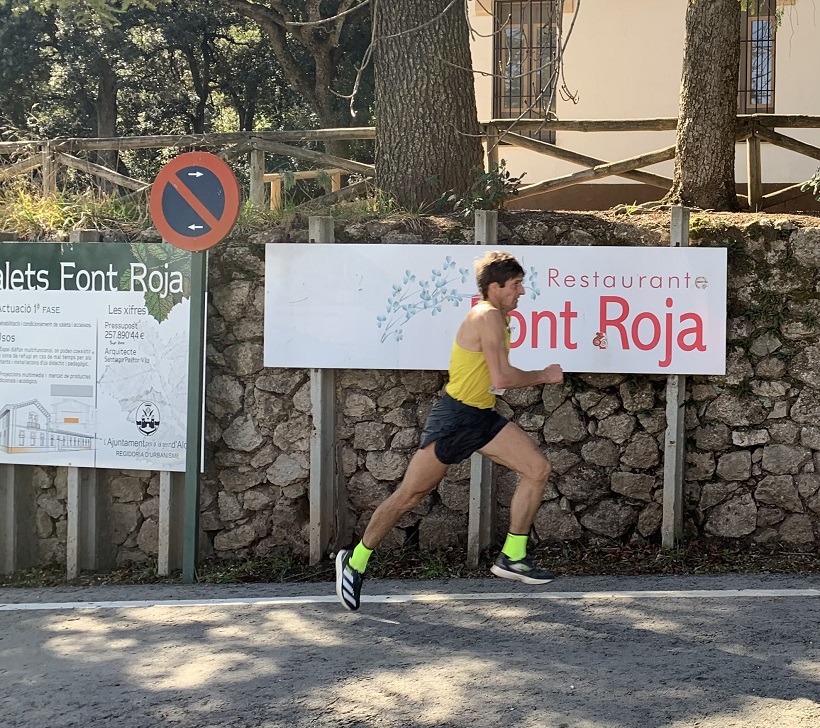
(196,380)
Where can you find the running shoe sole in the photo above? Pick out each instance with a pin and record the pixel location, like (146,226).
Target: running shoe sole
(517,576)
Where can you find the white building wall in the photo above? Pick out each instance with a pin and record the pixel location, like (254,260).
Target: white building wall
(797,90)
(624,61)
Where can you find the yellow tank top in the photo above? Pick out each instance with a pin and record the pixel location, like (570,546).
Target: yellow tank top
(470,376)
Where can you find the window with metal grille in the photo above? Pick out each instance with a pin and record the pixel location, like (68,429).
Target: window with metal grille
(525,58)
(758,26)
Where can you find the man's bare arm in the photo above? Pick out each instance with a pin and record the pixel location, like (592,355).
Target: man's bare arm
(503,375)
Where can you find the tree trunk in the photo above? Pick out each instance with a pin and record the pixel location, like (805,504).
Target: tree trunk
(705,155)
(427,139)
(106,108)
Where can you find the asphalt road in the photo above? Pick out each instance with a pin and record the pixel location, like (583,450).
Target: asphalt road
(579,653)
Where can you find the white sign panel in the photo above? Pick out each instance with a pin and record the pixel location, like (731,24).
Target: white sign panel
(94,355)
(589,309)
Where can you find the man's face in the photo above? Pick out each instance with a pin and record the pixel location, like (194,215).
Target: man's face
(510,292)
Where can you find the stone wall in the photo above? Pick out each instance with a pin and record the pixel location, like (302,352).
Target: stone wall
(753,436)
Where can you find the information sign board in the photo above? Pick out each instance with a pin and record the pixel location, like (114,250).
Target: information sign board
(590,309)
(94,354)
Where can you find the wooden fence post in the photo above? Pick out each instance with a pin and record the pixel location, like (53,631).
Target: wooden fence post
(492,148)
(88,543)
(17,509)
(72,539)
(754,171)
(171,522)
(675,438)
(481,517)
(49,170)
(257,175)
(275,190)
(323,434)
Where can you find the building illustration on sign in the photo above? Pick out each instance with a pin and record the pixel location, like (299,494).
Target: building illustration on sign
(27,427)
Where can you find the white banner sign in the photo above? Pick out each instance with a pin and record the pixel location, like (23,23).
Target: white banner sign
(589,309)
(94,355)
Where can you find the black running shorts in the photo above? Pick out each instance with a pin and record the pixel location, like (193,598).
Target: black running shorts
(459,429)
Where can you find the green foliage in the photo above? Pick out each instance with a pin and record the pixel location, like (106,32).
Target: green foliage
(288,180)
(252,219)
(177,67)
(324,180)
(277,568)
(810,319)
(434,567)
(700,226)
(813,185)
(489,191)
(770,310)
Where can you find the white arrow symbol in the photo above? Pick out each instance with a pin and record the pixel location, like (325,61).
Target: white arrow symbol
(195,174)
(196,227)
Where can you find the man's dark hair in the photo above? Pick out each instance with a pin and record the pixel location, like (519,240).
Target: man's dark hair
(496,267)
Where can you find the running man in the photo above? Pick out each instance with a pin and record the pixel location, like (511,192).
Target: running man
(462,422)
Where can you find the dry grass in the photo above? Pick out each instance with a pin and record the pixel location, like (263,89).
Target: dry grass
(25,211)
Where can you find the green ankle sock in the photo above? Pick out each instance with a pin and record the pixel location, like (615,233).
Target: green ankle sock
(360,557)
(515,547)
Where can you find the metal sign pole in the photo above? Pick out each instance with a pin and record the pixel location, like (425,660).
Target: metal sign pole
(186,210)
(193,451)
(675,438)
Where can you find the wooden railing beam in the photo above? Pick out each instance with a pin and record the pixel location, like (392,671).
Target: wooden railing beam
(786,142)
(83,165)
(792,192)
(302,174)
(75,144)
(348,192)
(585,125)
(551,150)
(21,167)
(28,146)
(597,172)
(319,158)
(786,121)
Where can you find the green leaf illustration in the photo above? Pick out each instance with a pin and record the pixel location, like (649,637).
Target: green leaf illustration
(158,306)
(140,251)
(125,280)
(155,257)
(157,251)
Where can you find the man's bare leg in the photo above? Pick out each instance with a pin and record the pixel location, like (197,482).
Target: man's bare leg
(514,449)
(423,474)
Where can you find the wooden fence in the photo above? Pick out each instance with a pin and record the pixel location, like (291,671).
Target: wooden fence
(19,158)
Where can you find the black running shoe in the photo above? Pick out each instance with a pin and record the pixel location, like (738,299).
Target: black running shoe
(348,581)
(523,570)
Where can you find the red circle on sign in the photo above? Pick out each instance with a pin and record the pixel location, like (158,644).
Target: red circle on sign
(218,228)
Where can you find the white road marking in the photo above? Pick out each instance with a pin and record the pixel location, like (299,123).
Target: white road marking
(405,598)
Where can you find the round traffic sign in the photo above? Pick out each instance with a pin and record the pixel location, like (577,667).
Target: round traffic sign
(194,201)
